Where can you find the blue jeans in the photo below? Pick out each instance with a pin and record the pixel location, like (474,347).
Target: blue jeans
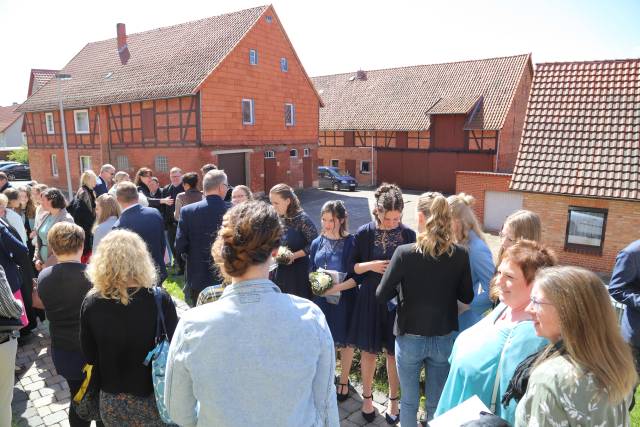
(412,353)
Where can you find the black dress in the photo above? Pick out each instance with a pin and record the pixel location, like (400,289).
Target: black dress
(298,233)
(371,327)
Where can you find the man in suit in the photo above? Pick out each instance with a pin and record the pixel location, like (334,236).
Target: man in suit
(171,225)
(104,180)
(146,222)
(197,230)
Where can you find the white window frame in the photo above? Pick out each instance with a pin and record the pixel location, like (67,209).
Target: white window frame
(306,152)
(253,57)
(122,162)
(334,160)
(82,167)
(284,65)
(269,154)
(54,165)
(75,121)
(161,163)
(52,130)
(363,171)
(291,106)
(251,112)
(293,152)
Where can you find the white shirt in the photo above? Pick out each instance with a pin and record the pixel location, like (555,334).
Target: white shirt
(15,220)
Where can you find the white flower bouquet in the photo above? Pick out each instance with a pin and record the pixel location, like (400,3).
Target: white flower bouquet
(321,282)
(284,255)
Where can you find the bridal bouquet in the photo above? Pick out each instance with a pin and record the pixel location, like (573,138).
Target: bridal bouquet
(284,255)
(321,282)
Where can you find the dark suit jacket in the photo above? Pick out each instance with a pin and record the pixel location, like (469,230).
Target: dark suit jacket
(12,253)
(101,187)
(148,224)
(197,230)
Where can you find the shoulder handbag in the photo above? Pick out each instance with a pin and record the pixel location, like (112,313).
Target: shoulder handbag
(158,358)
(86,401)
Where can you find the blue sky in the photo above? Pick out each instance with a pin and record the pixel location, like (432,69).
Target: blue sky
(333,36)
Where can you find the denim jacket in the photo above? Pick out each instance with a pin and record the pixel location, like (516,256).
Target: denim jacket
(254,357)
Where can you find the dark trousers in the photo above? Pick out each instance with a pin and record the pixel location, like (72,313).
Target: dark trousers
(74,419)
(171,233)
(191,296)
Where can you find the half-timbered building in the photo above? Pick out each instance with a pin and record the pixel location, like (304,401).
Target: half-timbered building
(229,90)
(416,126)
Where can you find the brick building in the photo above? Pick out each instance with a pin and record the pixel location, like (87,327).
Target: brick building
(228,89)
(579,160)
(416,126)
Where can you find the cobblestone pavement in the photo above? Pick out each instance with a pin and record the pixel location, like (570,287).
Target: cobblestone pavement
(41,396)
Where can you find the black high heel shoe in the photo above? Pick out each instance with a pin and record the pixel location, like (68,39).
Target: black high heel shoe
(369,416)
(392,419)
(342,396)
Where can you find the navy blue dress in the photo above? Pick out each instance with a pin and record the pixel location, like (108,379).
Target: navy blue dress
(298,233)
(335,255)
(371,326)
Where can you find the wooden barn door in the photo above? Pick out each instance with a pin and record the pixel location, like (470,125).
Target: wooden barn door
(307,172)
(350,167)
(270,174)
(234,166)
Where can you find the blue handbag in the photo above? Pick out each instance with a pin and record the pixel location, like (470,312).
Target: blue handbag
(158,358)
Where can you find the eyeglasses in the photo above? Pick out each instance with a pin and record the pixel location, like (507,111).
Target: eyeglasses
(505,237)
(536,303)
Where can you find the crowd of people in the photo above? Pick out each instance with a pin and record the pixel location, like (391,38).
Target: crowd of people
(537,343)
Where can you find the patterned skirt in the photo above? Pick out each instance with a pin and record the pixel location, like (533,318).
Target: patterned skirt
(127,410)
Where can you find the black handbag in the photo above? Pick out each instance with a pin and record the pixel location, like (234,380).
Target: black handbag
(86,401)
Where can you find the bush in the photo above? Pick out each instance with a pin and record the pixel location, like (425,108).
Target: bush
(19,155)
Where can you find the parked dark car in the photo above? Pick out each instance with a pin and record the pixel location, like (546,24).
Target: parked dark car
(331,177)
(16,171)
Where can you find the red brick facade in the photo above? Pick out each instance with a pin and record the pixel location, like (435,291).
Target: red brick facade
(622,222)
(477,184)
(193,130)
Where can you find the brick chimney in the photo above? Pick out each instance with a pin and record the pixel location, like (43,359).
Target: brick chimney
(123,49)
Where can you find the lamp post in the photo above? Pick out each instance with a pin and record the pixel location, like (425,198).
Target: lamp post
(61,78)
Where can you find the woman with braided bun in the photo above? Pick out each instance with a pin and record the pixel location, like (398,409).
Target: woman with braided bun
(252,344)
(371,327)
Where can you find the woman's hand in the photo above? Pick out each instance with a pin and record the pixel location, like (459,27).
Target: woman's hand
(167,201)
(39,265)
(378,266)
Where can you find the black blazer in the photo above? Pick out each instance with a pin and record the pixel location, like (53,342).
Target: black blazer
(429,290)
(148,224)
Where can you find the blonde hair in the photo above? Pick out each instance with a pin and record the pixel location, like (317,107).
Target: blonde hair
(523,224)
(108,207)
(86,177)
(65,238)
(4,201)
(121,261)
(460,205)
(121,176)
(589,328)
(437,238)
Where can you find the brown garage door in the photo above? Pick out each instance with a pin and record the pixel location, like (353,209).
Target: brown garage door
(234,166)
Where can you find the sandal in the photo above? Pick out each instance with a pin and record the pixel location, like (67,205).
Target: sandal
(342,396)
(392,419)
(369,416)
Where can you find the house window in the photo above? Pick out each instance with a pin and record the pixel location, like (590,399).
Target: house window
(253,57)
(284,65)
(85,163)
(247,112)
(48,119)
(162,164)
(81,120)
(335,163)
(148,123)
(269,19)
(54,165)
(585,230)
(307,152)
(293,153)
(122,162)
(365,166)
(289,114)
(269,154)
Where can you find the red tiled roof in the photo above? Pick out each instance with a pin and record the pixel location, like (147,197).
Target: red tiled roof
(165,62)
(39,78)
(401,98)
(582,131)
(8,115)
